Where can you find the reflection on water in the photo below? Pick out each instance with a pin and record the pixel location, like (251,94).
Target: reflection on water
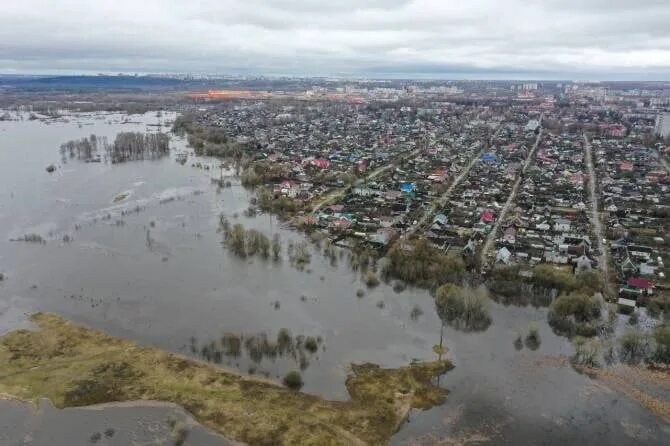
(146,424)
(143,259)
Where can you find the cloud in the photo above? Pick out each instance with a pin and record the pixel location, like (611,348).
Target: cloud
(552,38)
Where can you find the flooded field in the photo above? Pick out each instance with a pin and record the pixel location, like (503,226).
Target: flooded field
(134,249)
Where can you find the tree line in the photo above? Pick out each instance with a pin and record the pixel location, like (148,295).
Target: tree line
(207,140)
(127,146)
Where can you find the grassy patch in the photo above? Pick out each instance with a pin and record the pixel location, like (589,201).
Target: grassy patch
(77,366)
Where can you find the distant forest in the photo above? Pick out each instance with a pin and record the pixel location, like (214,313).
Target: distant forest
(127,146)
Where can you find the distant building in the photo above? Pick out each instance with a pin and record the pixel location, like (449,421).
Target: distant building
(503,255)
(532,125)
(663,124)
(613,130)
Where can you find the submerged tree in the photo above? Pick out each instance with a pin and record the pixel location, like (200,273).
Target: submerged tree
(276,248)
(575,314)
(418,262)
(463,309)
(84,149)
(127,146)
(237,240)
(131,146)
(533,340)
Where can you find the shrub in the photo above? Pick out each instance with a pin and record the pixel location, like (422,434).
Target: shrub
(586,352)
(634,346)
(293,380)
(662,337)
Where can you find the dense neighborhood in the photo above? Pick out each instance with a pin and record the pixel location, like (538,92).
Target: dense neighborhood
(503,175)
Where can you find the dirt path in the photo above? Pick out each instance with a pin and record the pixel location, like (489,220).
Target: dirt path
(595,216)
(338,193)
(490,239)
(442,200)
(662,161)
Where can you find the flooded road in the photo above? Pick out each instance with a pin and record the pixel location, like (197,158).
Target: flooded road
(151,267)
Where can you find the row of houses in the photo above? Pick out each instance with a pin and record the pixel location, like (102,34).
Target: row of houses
(475,203)
(377,211)
(548,222)
(635,190)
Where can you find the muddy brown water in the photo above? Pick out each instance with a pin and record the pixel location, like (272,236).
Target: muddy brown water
(185,285)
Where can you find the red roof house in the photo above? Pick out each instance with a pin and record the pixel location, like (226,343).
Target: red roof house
(322,164)
(626,166)
(487,217)
(640,283)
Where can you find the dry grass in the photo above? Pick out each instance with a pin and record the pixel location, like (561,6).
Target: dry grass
(77,366)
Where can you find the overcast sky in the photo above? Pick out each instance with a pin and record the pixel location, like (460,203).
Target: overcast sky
(594,39)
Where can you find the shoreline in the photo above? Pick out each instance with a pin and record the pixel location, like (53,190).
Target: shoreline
(77,367)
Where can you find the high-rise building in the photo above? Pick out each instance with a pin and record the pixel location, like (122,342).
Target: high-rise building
(663,124)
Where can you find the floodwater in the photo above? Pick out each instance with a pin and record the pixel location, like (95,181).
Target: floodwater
(152,268)
(120,425)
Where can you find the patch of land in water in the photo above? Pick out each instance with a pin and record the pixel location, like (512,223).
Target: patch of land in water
(74,366)
(121,197)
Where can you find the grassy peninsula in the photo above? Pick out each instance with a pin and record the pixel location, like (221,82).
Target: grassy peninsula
(77,366)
